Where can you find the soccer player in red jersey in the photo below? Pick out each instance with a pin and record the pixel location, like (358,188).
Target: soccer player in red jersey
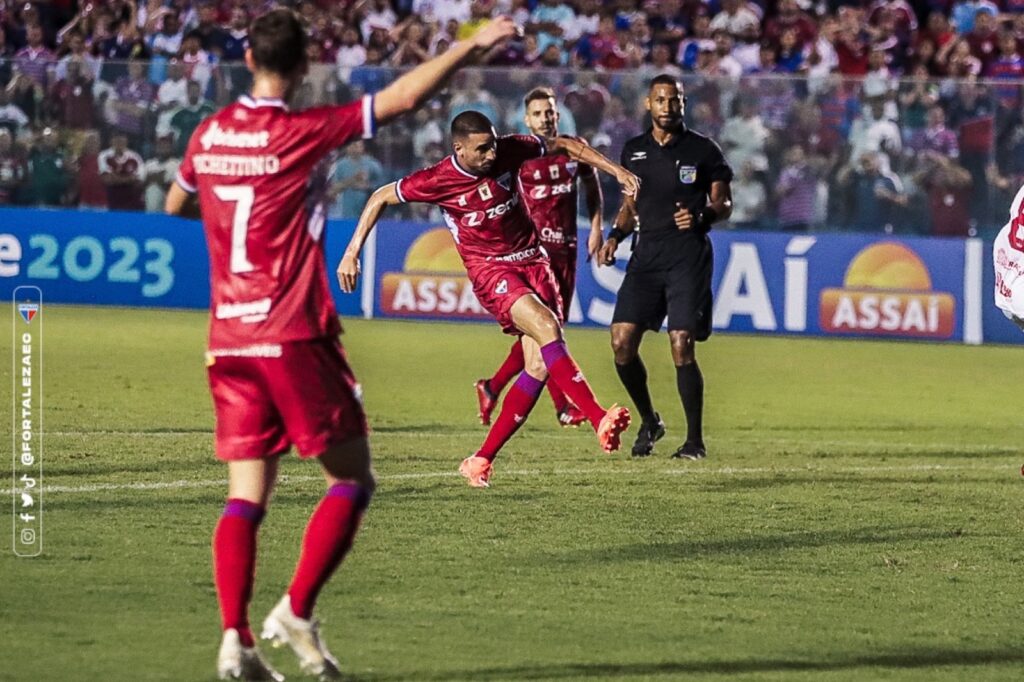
(477,189)
(277,372)
(547,186)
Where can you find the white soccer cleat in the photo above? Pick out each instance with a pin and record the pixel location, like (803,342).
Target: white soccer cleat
(303,636)
(237,662)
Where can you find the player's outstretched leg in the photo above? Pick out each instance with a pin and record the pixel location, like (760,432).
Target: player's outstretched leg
(518,403)
(566,413)
(545,332)
(328,538)
(234,566)
(488,390)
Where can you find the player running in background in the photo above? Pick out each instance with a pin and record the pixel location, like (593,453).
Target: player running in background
(547,186)
(477,190)
(1008,258)
(277,372)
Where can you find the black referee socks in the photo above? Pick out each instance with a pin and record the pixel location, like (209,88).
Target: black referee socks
(634,377)
(690,383)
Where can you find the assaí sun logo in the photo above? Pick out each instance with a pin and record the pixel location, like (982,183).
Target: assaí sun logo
(887,290)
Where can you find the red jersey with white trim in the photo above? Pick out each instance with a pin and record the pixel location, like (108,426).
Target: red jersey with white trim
(483,212)
(548,187)
(261,174)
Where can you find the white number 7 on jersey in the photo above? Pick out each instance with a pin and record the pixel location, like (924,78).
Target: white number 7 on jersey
(243,196)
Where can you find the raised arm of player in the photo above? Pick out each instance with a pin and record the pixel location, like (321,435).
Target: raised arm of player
(625,223)
(348,268)
(411,90)
(584,153)
(595,208)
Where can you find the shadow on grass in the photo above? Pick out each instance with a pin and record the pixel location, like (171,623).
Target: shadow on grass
(903,660)
(688,549)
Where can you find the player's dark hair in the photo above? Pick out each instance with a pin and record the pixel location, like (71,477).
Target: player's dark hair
(470,123)
(538,93)
(278,42)
(665,79)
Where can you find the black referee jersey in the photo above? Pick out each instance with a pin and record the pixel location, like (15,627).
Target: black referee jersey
(681,172)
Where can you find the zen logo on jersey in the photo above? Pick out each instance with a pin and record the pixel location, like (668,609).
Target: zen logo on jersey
(687,174)
(542,191)
(638,156)
(475,218)
(227,137)
(502,287)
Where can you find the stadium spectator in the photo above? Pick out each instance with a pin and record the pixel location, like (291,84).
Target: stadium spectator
(948,188)
(413,47)
(749,199)
(121,171)
(936,137)
(167,42)
(874,131)
(91,191)
(965,14)
(744,136)
(173,92)
(212,37)
(355,176)
(235,38)
(12,118)
(791,18)
(71,98)
(35,61)
(159,173)
(186,119)
(130,105)
(796,191)
(48,173)
(874,193)
(734,18)
(197,62)
(89,66)
(12,169)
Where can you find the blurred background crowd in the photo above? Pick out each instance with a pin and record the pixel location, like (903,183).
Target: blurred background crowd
(889,115)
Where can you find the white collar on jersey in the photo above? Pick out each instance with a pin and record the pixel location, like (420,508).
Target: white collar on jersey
(461,169)
(248,101)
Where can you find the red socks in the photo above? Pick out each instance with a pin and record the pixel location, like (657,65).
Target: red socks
(570,379)
(557,397)
(512,366)
(234,563)
(517,404)
(329,535)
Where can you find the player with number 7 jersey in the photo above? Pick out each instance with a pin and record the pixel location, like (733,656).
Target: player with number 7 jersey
(277,372)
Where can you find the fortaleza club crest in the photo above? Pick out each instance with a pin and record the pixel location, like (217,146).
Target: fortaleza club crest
(28,311)
(687,174)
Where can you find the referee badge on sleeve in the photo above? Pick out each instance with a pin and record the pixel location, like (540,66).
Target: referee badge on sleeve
(687,174)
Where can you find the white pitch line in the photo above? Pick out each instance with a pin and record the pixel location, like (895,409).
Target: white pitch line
(689,470)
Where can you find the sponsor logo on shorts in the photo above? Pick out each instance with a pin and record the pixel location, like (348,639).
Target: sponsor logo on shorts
(525,254)
(502,287)
(264,350)
(687,174)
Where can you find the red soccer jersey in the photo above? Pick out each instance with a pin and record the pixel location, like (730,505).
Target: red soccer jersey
(548,187)
(260,173)
(484,213)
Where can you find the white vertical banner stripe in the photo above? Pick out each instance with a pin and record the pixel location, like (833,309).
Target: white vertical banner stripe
(27,418)
(369,274)
(974,273)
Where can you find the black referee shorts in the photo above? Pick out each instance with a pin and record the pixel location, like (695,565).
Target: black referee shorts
(683,293)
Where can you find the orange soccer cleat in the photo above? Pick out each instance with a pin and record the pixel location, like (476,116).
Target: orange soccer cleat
(613,423)
(477,471)
(487,401)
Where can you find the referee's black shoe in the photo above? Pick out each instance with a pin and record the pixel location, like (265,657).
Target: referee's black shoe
(650,433)
(690,450)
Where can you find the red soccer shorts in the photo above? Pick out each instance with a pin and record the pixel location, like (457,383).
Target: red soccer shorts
(299,393)
(498,285)
(563,265)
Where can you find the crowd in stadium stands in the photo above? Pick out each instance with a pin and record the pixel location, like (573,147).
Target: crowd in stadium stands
(885,115)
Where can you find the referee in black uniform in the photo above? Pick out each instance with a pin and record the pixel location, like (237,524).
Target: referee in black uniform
(684,190)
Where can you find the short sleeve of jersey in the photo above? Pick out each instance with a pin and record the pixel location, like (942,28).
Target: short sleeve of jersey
(519,149)
(186,177)
(335,126)
(718,167)
(419,186)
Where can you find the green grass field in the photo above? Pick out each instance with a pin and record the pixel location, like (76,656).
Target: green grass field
(858,517)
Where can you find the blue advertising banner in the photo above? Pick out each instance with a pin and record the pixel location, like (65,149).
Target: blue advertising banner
(842,285)
(114,258)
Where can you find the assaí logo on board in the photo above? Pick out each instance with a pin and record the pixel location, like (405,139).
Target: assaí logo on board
(432,283)
(887,291)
